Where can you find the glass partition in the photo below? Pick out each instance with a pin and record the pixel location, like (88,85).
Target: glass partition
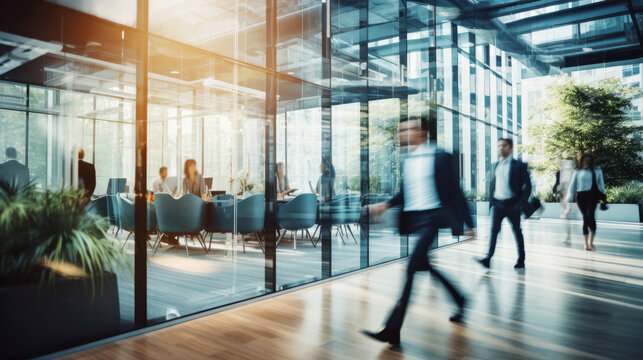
(299,184)
(313,110)
(205,162)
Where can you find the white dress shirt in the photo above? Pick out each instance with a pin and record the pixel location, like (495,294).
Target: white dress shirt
(502,190)
(582,181)
(420,192)
(160,186)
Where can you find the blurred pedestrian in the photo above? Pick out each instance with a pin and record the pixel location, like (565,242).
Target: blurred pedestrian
(509,193)
(589,188)
(430,198)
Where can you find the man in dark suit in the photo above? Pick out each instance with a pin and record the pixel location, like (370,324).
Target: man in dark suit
(509,193)
(86,175)
(430,198)
(12,171)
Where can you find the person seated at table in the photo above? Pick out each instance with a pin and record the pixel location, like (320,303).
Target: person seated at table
(160,185)
(193,182)
(283,188)
(326,178)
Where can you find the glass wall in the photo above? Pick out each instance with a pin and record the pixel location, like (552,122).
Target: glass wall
(266,127)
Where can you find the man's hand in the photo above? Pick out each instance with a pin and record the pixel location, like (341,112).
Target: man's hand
(471,234)
(378,209)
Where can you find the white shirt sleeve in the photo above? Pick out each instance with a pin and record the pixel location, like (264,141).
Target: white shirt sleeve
(572,187)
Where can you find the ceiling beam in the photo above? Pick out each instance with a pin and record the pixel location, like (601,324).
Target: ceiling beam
(599,57)
(574,15)
(503,8)
(635,23)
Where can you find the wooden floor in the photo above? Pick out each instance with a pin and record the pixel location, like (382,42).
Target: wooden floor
(568,303)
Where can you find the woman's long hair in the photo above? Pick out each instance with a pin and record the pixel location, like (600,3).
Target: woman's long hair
(186,166)
(582,158)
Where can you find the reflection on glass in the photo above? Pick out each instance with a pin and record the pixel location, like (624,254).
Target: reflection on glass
(206,130)
(384,177)
(299,147)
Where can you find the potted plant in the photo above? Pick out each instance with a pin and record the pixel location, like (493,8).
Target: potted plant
(57,286)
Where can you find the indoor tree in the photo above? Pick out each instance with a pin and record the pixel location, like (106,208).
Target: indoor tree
(576,117)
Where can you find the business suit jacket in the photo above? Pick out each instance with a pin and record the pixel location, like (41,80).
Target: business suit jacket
(449,193)
(86,177)
(13,171)
(519,182)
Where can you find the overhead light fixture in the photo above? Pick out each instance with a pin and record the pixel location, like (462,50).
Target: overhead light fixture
(290,73)
(587,49)
(175,72)
(71,46)
(468,44)
(93,43)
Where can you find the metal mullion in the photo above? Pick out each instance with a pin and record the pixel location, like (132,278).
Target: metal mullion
(140,187)
(270,225)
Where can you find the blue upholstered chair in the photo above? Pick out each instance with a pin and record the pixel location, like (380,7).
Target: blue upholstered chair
(352,213)
(250,218)
(127,215)
(333,211)
(184,216)
(98,207)
(116,185)
(299,213)
(223,197)
(112,212)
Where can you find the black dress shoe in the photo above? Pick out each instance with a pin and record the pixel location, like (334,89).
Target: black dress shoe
(458,316)
(384,336)
(519,265)
(486,262)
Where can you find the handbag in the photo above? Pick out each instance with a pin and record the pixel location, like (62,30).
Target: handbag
(600,197)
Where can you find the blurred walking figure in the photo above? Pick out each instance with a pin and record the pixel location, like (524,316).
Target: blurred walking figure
(509,193)
(588,186)
(430,198)
(563,179)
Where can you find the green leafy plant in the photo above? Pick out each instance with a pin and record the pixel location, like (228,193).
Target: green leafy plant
(45,234)
(576,117)
(626,194)
(547,196)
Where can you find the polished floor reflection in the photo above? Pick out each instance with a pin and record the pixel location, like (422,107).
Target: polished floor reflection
(568,303)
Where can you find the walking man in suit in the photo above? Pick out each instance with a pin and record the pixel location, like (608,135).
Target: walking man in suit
(12,171)
(508,194)
(86,175)
(430,198)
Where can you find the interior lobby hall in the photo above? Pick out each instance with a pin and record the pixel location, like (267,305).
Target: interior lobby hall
(567,303)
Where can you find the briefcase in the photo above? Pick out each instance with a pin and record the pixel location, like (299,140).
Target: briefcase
(533,206)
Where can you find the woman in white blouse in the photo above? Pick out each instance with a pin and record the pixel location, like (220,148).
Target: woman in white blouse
(587,198)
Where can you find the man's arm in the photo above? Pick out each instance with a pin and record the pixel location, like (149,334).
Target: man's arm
(526,184)
(379,208)
(492,182)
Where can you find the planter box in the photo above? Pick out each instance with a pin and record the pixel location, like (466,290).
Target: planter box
(616,212)
(40,321)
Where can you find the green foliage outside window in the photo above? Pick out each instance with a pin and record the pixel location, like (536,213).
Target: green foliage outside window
(576,118)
